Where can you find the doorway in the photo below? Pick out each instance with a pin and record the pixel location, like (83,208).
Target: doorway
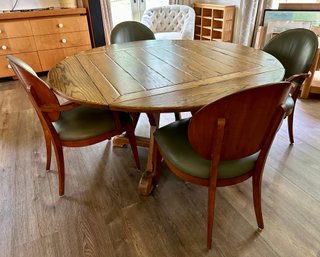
(124,10)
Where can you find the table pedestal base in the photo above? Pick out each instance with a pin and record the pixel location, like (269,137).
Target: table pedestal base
(146,186)
(146,181)
(121,140)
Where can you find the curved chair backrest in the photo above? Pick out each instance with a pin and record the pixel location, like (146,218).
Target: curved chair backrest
(129,31)
(171,18)
(38,90)
(251,119)
(295,49)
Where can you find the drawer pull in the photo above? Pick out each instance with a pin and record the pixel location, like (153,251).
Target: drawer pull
(9,66)
(4,47)
(60,25)
(64,40)
(0,31)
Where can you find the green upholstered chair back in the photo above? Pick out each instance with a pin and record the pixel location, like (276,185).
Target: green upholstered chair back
(295,49)
(129,31)
(39,91)
(250,116)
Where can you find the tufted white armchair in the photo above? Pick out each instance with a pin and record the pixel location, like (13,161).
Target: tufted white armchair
(170,21)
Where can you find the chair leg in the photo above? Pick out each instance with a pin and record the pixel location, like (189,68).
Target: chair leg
(296,93)
(47,137)
(211,204)
(48,147)
(157,165)
(256,189)
(290,127)
(135,118)
(177,116)
(60,164)
(133,143)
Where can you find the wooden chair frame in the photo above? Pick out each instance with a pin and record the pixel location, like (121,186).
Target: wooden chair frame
(216,150)
(49,112)
(296,59)
(295,93)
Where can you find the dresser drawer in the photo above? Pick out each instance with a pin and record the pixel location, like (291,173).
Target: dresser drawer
(63,40)
(31,58)
(49,58)
(12,29)
(59,25)
(49,34)
(17,45)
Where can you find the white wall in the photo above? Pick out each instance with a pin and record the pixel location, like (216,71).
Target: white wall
(30,4)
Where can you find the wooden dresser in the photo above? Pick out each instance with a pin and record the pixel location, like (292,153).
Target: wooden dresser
(42,38)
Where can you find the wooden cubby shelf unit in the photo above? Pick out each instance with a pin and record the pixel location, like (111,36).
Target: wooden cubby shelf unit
(214,22)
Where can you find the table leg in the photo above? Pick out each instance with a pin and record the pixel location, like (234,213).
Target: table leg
(146,181)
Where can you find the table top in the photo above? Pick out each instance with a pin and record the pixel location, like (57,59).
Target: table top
(161,75)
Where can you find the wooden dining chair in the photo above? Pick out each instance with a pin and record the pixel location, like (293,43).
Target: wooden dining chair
(296,50)
(129,31)
(70,124)
(224,143)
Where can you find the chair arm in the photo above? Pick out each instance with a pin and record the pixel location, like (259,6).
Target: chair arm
(299,76)
(59,108)
(296,82)
(187,32)
(68,106)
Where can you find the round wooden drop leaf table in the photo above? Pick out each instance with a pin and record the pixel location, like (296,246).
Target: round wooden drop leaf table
(161,76)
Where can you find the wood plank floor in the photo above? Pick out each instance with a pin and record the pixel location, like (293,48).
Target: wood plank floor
(102,214)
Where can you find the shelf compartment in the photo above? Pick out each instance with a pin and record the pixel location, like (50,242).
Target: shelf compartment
(218,14)
(198,11)
(206,38)
(206,32)
(198,21)
(217,24)
(206,23)
(207,12)
(197,30)
(216,34)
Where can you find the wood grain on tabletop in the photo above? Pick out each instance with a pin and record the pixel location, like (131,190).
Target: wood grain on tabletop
(162,76)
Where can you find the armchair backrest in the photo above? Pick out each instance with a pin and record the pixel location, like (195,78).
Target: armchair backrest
(171,18)
(39,92)
(129,31)
(295,49)
(250,120)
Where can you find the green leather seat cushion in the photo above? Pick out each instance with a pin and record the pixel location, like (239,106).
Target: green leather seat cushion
(84,122)
(175,147)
